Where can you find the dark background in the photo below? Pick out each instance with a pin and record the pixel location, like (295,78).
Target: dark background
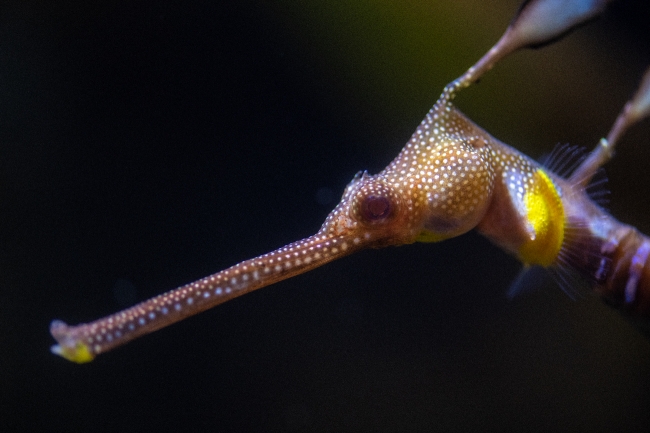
(147,144)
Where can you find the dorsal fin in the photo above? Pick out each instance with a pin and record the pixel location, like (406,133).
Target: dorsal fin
(565,158)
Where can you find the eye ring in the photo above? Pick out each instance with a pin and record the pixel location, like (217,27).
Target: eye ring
(376,208)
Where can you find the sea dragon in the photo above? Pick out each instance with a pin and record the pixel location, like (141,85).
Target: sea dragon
(451,177)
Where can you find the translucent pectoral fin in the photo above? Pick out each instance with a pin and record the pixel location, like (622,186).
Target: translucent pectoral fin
(529,279)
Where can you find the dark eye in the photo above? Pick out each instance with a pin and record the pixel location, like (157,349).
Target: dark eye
(375,207)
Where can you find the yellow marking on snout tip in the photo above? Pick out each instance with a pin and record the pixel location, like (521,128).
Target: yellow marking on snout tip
(80,353)
(545,214)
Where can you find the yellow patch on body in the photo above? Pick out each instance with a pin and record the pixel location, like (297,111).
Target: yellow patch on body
(545,215)
(428,236)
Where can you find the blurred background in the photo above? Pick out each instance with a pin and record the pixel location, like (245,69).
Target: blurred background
(147,144)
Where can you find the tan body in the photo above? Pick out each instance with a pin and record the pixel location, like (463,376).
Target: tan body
(450,177)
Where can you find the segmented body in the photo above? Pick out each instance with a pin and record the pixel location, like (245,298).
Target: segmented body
(625,282)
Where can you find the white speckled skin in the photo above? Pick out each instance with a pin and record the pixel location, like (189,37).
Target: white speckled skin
(439,186)
(451,177)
